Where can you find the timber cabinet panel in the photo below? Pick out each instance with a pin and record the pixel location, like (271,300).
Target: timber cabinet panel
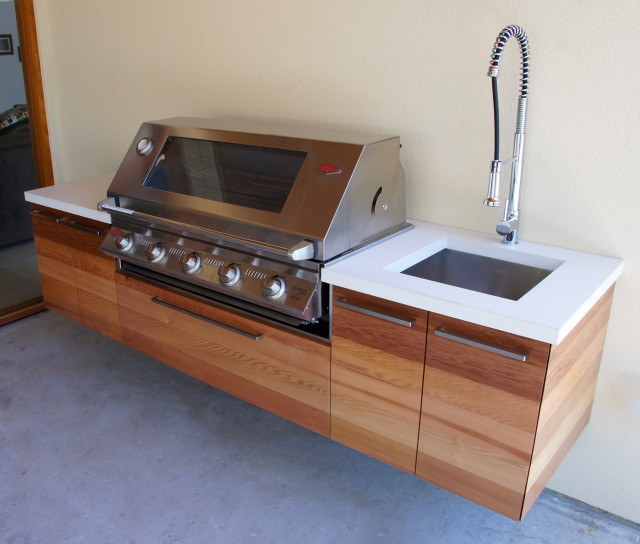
(55,261)
(568,395)
(377,369)
(480,413)
(77,278)
(280,371)
(94,273)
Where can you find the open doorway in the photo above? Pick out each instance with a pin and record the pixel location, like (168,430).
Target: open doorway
(25,158)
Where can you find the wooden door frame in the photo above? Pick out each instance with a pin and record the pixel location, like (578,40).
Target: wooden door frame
(30,56)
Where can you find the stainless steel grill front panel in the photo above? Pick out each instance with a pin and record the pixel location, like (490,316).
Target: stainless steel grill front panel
(300,297)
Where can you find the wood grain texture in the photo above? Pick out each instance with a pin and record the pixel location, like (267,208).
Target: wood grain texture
(77,278)
(30,55)
(55,264)
(468,362)
(479,415)
(21,311)
(377,333)
(376,379)
(568,395)
(94,272)
(97,293)
(283,372)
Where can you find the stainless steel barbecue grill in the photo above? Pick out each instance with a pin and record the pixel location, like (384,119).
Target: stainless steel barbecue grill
(248,214)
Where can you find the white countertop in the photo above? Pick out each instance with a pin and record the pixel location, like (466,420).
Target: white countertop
(80,197)
(547,312)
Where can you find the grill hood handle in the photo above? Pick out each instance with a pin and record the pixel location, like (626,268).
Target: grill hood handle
(302,251)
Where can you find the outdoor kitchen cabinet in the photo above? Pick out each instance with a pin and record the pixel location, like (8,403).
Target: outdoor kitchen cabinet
(495,414)
(377,367)
(77,279)
(411,387)
(280,371)
(480,411)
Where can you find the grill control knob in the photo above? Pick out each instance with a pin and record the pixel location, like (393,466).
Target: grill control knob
(123,241)
(229,274)
(190,262)
(273,287)
(144,146)
(155,252)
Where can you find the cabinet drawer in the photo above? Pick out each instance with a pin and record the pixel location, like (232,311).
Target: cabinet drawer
(479,411)
(273,368)
(377,365)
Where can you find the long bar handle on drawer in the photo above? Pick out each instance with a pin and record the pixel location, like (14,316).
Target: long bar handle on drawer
(470,341)
(78,226)
(404,321)
(158,300)
(38,213)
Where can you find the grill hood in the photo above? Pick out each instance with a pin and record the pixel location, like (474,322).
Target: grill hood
(318,194)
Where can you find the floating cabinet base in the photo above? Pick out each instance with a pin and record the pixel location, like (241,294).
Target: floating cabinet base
(482,413)
(494,429)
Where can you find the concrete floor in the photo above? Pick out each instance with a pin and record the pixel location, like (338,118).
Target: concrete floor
(99,444)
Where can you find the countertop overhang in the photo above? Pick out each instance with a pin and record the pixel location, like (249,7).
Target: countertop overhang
(548,312)
(79,197)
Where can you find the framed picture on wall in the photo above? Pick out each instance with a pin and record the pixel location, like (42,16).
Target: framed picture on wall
(6,44)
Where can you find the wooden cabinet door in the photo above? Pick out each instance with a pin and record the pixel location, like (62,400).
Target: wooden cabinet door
(94,275)
(273,368)
(77,278)
(480,411)
(55,261)
(377,365)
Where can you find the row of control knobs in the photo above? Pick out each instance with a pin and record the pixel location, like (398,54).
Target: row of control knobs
(229,274)
(272,287)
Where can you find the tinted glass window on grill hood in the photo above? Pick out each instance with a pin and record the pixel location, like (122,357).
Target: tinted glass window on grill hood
(245,175)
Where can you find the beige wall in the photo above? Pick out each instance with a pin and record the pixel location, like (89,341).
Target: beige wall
(418,69)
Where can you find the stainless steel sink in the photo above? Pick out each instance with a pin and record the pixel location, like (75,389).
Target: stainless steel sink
(487,275)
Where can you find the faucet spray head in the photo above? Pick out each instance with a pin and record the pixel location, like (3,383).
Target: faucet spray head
(493,196)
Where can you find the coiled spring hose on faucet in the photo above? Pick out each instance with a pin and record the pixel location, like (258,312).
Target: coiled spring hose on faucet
(494,66)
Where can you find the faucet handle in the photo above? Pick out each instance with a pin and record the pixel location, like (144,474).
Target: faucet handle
(493,195)
(503,228)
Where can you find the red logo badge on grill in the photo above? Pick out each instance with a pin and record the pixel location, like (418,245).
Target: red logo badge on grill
(328,168)
(116,232)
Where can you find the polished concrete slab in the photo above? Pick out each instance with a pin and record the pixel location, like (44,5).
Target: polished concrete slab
(100,444)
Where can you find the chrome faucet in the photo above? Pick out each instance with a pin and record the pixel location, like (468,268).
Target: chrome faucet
(508,227)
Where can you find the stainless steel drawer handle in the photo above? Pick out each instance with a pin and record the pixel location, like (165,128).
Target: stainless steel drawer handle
(470,341)
(158,300)
(404,321)
(38,213)
(78,226)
